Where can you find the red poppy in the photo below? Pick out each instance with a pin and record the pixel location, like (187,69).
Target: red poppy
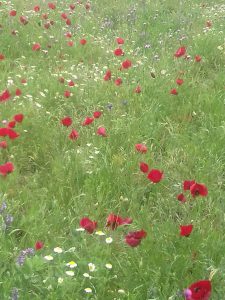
(11,124)
(173,92)
(36,47)
(126,64)
(185,230)
(23,20)
(74,135)
(72,6)
(2,57)
(18,92)
(67,94)
(141,148)
(70,43)
(23,81)
(68,34)
(187,184)
(198,189)
(113,221)
(198,58)
(200,290)
(19,118)
(137,89)
(155,175)
(101,131)
(181,198)
(179,81)
(36,8)
(133,239)
(45,16)
(39,245)
(118,52)
(97,114)
(5,96)
(51,5)
(71,83)
(8,132)
(67,121)
(144,167)
(3,144)
(118,81)
(68,22)
(83,41)
(64,16)
(119,41)
(6,168)
(12,13)
(87,121)
(180,52)
(88,225)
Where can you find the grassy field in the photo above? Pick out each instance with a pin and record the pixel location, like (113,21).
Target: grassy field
(56,181)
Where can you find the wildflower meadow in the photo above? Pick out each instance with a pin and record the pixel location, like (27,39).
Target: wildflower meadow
(112,159)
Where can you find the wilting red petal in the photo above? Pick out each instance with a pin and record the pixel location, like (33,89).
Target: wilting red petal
(67,121)
(74,135)
(51,5)
(39,245)
(2,57)
(137,89)
(133,239)
(198,58)
(200,290)
(155,175)
(87,121)
(23,20)
(102,131)
(88,225)
(185,230)
(180,52)
(198,189)
(141,148)
(68,22)
(72,6)
(144,167)
(113,221)
(107,75)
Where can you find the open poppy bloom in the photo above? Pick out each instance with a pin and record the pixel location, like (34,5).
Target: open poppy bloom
(126,64)
(185,230)
(36,47)
(174,92)
(87,121)
(107,75)
(97,114)
(187,184)
(198,58)
(200,290)
(88,225)
(39,245)
(141,148)
(179,81)
(19,118)
(101,131)
(144,167)
(198,189)
(83,41)
(6,168)
(4,131)
(119,41)
(113,221)
(180,52)
(155,175)
(4,96)
(181,197)
(118,52)
(134,238)
(74,135)
(67,121)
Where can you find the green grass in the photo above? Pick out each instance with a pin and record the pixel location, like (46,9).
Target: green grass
(57,181)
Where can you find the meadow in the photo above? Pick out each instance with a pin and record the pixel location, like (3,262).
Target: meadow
(112,159)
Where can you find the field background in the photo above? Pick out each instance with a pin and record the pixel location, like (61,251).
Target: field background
(58,181)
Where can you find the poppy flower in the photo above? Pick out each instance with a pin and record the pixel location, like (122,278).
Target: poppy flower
(18,92)
(45,16)
(68,22)
(19,118)
(133,239)
(137,89)
(113,221)
(70,43)
(118,52)
(5,96)
(180,52)
(36,8)
(71,83)
(200,290)
(11,124)
(173,92)
(67,121)
(2,57)
(67,94)
(12,13)
(38,245)
(8,132)
(119,41)
(187,184)
(198,58)
(6,168)
(185,230)
(51,5)
(118,81)
(141,148)
(198,189)
(179,81)
(83,41)
(72,6)
(68,34)
(101,131)
(3,144)
(107,75)
(87,121)
(126,64)
(23,20)
(88,225)
(144,167)
(64,16)
(87,6)
(36,47)
(181,198)
(155,175)
(74,135)
(97,114)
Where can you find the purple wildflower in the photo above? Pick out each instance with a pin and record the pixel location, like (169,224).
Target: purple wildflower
(3,207)
(23,254)
(15,294)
